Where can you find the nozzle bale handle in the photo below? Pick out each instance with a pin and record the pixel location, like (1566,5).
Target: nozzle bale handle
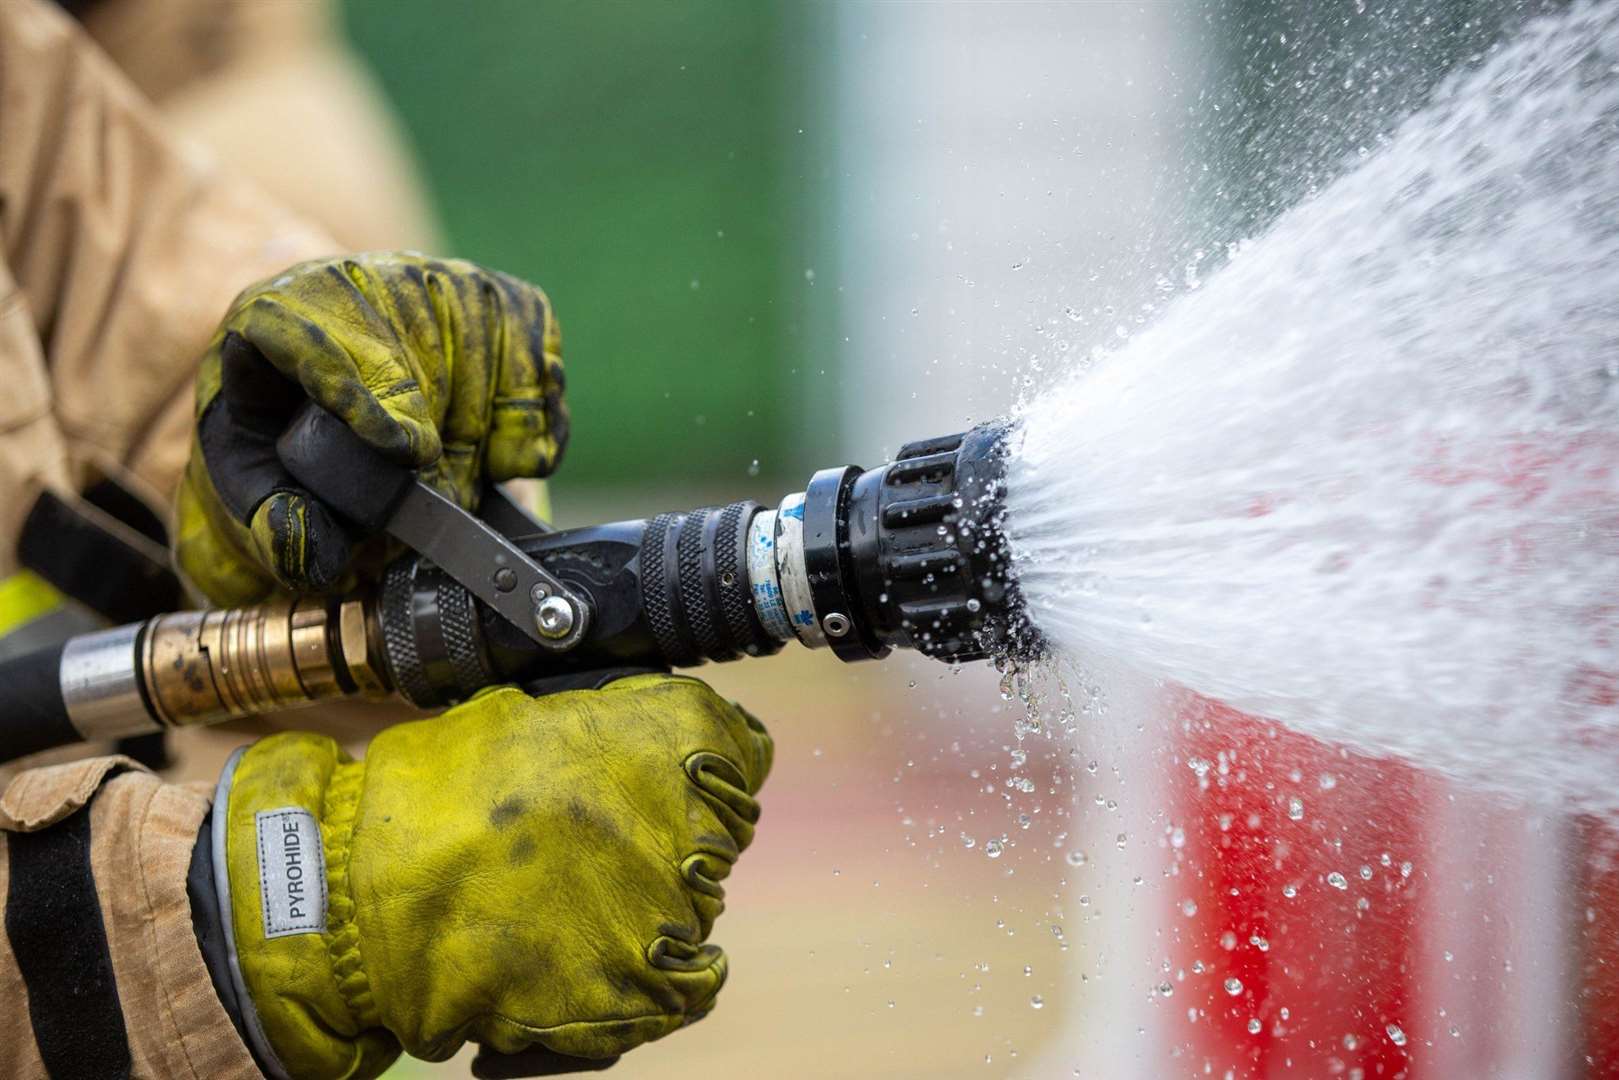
(351,477)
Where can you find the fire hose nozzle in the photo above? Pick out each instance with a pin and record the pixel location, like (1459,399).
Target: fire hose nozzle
(909,555)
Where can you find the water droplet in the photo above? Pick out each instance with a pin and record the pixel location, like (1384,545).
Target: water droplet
(1188,908)
(1233,986)
(1366,873)
(1290,890)
(1165,990)
(993,848)
(753,468)
(1037,1002)
(1295,808)
(1337,880)
(1396,1035)
(1075,858)
(1120,840)
(1254,1025)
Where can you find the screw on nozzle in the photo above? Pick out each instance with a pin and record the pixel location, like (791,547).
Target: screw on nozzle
(554,617)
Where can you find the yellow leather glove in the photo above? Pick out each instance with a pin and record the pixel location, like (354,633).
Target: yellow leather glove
(519,872)
(439,364)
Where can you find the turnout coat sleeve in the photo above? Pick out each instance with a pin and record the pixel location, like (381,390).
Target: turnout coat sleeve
(100,971)
(120,249)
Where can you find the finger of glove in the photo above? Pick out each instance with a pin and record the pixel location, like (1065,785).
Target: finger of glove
(702,872)
(724,789)
(325,332)
(763,747)
(694,972)
(238,428)
(290,534)
(722,725)
(298,540)
(211,549)
(457,475)
(528,419)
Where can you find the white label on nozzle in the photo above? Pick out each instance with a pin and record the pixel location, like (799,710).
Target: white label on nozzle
(763,582)
(292,872)
(797,598)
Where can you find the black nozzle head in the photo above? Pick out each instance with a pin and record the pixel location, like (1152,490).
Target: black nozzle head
(921,555)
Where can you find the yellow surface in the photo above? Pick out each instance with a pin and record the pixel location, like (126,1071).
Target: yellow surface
(840,907)
(24,597)
(585,835)
(437,364)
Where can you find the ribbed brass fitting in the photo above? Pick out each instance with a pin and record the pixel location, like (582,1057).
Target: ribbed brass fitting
(200,666)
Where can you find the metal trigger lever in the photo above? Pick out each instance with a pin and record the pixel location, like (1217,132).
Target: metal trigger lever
(357,483)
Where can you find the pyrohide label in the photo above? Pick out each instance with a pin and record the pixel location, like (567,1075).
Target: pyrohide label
(292,872)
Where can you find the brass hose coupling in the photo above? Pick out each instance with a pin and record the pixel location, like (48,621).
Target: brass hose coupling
(201,666)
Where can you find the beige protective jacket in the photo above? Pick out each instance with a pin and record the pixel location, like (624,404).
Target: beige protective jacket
(119,250)
(107,820)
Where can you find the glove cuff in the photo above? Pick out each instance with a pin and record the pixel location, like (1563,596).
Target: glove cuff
(288,808)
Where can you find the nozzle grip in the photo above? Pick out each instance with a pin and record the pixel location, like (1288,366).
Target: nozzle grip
(342,470)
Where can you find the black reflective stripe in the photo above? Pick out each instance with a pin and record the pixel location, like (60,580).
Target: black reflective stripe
(112,497)
(96,559)
(53,922)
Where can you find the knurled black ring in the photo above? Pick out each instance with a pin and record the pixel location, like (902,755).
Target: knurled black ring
(459,628)
(694,600)
(656,599)
(399,635)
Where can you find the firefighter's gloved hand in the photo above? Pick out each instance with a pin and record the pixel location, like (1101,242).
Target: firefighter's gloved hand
(439,364)
(519,872)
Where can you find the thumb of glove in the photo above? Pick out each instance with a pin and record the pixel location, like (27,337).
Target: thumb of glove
(290,532)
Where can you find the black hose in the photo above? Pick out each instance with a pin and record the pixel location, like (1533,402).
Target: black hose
(35,716)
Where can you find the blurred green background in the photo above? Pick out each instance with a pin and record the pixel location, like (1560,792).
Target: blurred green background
(642,162)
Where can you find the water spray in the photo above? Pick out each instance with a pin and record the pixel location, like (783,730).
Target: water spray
(862,561)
